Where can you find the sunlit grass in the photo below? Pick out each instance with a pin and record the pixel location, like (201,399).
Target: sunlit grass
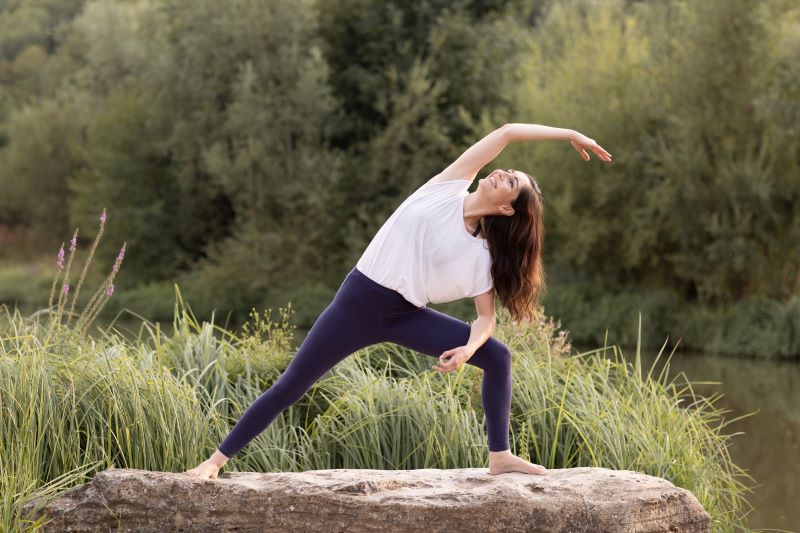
(76,406)
(598,409)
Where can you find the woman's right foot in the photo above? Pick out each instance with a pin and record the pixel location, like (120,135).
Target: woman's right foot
(205,470)
(503,462)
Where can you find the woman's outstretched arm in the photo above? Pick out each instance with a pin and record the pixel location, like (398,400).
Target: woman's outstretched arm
(537,132)
(485,150)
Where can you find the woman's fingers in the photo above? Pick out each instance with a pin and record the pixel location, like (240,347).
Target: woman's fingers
(444,367)
(447,367)
(581,151)
(452,359)
(602,151)
(602,155)
(598,151)
(585,142)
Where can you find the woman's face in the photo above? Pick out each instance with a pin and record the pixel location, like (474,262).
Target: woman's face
(501,187)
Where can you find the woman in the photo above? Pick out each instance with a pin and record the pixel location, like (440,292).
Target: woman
(441,244)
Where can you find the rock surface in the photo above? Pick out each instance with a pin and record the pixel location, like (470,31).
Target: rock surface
(342,500)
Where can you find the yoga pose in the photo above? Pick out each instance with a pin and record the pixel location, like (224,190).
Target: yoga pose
(441,244)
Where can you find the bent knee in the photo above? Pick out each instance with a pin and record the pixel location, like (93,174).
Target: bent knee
(497,356)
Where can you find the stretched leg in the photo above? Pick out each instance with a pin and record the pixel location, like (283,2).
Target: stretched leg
(338,332)
(432,332)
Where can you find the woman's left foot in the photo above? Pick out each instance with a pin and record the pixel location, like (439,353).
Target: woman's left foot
(502,462)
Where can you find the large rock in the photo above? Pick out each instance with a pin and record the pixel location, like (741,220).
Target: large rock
(428,500)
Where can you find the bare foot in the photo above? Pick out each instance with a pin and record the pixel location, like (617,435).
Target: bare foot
(502,462)
(205,470)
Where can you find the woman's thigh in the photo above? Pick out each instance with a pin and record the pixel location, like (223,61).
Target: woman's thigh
(432,332)
(340,330)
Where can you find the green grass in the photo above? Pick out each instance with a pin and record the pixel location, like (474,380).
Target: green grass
(73,406)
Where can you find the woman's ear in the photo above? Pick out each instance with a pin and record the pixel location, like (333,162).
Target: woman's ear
(506,210)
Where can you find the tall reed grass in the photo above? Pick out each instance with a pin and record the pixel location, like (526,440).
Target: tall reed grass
(75,405)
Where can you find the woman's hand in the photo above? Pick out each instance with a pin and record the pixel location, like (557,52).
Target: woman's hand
(581,142)
(457,357)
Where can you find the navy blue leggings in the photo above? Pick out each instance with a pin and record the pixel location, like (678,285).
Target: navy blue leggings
(363,313)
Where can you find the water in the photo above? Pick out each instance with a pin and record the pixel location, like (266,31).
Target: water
(769,444)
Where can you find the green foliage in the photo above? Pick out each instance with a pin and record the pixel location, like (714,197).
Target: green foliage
(19,284)
(151,299)
(25,23)
(597,311)
(43,150)
(248,150)
(123,171)
(28,33)
(694,200)
(758,327)
(261,347)
(260,146)
(73,408)
(470,46)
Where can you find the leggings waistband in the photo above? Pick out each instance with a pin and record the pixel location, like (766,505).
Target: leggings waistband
(377,293)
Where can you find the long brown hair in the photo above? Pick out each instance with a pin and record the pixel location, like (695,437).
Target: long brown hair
(515,244)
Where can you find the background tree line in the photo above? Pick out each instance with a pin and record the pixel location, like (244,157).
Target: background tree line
(249,150)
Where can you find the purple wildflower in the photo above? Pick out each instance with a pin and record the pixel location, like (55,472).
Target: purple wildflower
(110,289)
(103,216)
(74,242)
(61,257)
(120,257)
(65,289)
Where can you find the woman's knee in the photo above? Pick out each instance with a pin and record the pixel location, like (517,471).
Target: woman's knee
(495,356)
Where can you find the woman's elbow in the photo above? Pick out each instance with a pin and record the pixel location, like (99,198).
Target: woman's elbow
(506,130)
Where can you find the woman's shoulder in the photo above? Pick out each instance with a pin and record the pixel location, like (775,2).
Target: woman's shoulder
(444,177)
(438,189)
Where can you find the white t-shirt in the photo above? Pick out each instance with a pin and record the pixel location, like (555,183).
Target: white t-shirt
(424,251)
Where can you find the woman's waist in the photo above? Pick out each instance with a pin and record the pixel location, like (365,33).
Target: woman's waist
(376,293)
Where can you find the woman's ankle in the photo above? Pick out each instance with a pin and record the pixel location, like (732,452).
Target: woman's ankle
(499,453)
(219,459)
